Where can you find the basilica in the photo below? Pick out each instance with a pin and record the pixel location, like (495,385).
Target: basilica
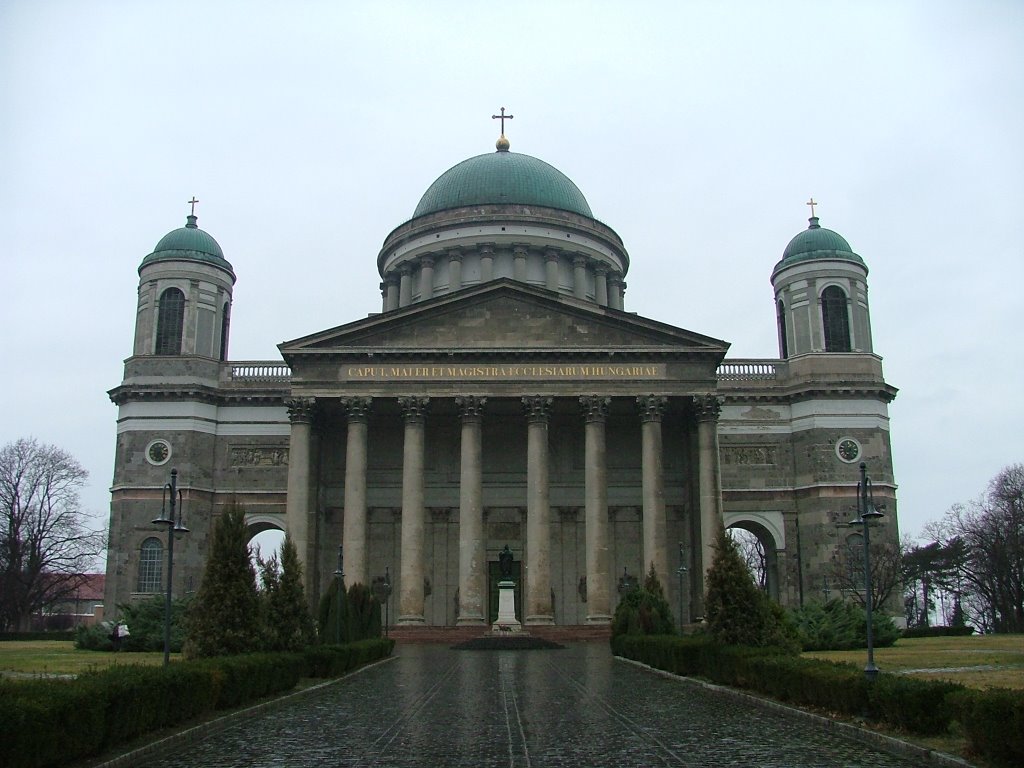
(504,395)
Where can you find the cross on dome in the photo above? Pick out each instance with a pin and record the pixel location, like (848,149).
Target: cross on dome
(193,202)
(812,204)
(502,143)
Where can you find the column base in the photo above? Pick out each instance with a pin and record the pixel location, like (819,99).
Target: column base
(410,621)
(470,621)
(540,620)
(599,619)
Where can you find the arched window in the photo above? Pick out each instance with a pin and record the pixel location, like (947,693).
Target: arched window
(151,561)
(783,342)
(224,325)
(835,319)
(170,321)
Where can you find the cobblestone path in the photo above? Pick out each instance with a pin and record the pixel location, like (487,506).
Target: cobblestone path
(529,709)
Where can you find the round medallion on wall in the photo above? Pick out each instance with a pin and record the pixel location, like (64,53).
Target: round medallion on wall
(158,452)
(848,450)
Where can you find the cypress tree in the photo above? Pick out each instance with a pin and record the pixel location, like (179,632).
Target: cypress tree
(287,623)
(224,617)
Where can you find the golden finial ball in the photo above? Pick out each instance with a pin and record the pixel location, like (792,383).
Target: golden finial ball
(502,143)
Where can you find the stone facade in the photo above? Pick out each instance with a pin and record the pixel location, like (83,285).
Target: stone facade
(502,397)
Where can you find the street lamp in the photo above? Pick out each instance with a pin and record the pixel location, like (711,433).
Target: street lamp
(681,571)
(172,495)
(627,583)
(867,513)
(339,574)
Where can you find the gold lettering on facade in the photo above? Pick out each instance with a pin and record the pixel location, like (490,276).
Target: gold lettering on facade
(498,372)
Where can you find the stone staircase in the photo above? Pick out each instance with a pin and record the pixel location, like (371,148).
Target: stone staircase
(580,633)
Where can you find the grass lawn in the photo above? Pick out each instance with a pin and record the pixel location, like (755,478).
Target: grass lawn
(982,661)
(60,657)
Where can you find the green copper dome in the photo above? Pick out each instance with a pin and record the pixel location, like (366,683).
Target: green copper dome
(503,177)
(189,243)
(816,242)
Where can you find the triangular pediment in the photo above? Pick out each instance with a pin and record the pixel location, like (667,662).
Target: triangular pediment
(504,315)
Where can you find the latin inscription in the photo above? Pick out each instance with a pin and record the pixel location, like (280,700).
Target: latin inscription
(497,372)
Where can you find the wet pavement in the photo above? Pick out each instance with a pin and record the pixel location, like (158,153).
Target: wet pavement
(431,706)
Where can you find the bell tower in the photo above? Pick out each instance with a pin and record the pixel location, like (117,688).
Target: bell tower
(185,288)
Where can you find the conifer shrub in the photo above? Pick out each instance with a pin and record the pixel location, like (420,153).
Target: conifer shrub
(287,624)
(951,631)
(224,617)
(363,614)
(993,722)
(644,610)
(840,625)
(737,612)
(332,616)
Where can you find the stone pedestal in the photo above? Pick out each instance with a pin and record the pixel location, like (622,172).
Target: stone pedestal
(506,621)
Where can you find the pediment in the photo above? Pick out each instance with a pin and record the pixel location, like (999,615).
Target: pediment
(503,316)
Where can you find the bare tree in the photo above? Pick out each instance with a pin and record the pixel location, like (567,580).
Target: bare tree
(45,546)
(986,542)
(886,570)
(752,552)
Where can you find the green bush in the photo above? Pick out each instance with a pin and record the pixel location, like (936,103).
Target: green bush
(839,625)
(918,706)
(644,610)
(61,635)
(48,723)
(993,722)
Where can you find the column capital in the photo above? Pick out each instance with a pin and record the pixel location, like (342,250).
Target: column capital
(471,407)
(595,407)
(537,408)
(454,254)
(357,408)
(427,260)
(300,409)
(405,269)
(707,406)
(601,269)
(414,409)
(486,249)
(520,249)
(552,254)
(652,407)
(579,260)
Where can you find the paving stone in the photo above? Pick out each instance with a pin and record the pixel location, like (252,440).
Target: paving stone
(575,707)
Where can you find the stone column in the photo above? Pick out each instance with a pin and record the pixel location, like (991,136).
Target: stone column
(652,408)
(472,550)
(410,597)
(299,507)
(454,269)
(486,262)
(538,513)
(601,284)
(426,277)
(579,279)
(519,253)
(390,293)
(405,287)
(551,269)
(354,533)
(595,411)
(615,287)
(707,408)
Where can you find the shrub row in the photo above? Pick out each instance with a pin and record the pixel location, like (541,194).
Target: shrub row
(963,631)
(53,722)
(992,720)
(62,635)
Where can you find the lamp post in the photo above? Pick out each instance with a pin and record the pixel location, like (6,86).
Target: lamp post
(627,583)
(339,575)
(867,513)
(172,495)
(681,571)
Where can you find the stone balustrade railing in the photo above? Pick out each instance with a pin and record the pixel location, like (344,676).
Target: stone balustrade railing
(259,371)
(748,370)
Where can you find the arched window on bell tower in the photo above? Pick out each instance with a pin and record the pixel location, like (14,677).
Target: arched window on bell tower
(835,319)
(224,325)
(783,342)
(170,322)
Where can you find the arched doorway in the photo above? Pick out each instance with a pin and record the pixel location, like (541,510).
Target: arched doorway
(763,536)
(266,535)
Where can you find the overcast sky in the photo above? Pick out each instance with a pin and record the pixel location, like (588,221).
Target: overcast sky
(697,130)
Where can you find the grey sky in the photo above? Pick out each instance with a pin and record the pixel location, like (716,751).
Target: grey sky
(696,130)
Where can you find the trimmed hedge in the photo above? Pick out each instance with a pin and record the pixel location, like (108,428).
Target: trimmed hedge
(992,720)
(61,635)
(937,631)
(53,722)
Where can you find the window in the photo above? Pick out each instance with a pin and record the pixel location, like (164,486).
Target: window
(151,561)
(170,321)
(783,343)
(855,559)
(224,331)
(835,319)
